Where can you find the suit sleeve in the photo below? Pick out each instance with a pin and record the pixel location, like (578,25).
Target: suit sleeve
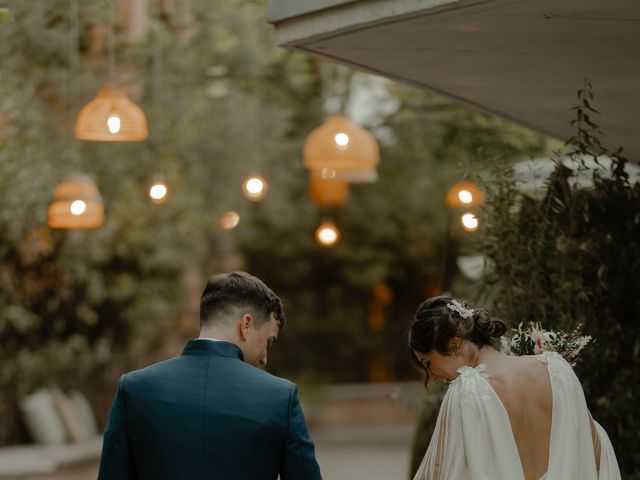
(299,456)
(116,462)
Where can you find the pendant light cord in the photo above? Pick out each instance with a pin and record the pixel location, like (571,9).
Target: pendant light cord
(74,72)
(112,42)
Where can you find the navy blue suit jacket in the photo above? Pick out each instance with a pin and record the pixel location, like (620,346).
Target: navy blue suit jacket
(206,415)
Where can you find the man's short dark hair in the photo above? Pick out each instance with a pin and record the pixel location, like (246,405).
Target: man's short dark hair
(227,293)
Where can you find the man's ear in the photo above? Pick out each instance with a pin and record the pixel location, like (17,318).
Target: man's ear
(246,324)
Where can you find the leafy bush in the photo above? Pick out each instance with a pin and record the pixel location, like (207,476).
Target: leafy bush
(571,258)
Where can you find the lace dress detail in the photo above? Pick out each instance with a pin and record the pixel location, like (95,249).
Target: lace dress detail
(473,383)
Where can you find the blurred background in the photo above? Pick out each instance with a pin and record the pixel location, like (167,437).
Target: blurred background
(82,304)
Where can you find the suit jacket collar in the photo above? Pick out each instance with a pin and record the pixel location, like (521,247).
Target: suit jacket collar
(207,347)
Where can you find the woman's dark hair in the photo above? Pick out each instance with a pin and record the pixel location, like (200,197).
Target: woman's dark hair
(436,323)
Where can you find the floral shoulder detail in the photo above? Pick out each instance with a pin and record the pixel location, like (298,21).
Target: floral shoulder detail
(534,340)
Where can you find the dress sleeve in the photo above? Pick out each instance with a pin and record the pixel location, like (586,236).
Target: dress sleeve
(472,439)
(445,455)
(609,469)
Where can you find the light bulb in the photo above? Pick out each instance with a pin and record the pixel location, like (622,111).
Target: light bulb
(78,207)
(342,140)
(327,234)
(470,222)
(158,192)
(328,173)
(113,122)
(465,196)
(255,188)
(229,220)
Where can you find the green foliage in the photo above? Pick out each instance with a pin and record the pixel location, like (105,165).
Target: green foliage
(570,259)
(393,232)
(72,302)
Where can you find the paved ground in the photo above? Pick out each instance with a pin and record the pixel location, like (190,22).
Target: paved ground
(364,462)
(344,453)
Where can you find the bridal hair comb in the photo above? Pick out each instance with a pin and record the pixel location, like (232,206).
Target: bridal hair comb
(455,306)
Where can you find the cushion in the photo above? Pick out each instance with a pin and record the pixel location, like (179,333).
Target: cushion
(42,418)
(84,411)
(70,417)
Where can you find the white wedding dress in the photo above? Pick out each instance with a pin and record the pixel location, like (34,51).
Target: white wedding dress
(473,439)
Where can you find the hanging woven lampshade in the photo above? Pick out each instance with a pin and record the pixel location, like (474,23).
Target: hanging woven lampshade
(77,204)
(464,195)
(111,117)
(354,176)
(328,193)
(340,147)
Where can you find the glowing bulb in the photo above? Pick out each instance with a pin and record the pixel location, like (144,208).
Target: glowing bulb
(327,234)
(469,222)
(255,188)
(465,196)
(158,192)
(342,140)
(78,207)
(328,173)
(113,122)
(229,220)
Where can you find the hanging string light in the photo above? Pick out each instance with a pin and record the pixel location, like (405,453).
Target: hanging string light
(158,191)
(111,116)
(255,188)
(464,195)
(469,222)
(229,220)
(327,234)
(340,149)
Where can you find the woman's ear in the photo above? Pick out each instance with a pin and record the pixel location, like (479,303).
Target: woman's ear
(454,344)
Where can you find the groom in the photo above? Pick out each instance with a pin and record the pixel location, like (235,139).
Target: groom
(210,413)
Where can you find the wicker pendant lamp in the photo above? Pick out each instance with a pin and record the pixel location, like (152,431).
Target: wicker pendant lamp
(77,204)
(328,193)
(339,148)
(111,116)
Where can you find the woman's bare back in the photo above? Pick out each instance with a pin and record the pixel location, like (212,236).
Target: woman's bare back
(524,387)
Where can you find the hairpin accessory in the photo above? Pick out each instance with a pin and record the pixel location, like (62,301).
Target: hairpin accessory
(455,306)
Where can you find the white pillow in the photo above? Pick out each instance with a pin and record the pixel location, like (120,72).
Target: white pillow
(42,418)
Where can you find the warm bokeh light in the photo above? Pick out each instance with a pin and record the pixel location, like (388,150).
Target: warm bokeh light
(229,220)
(469,222)
(254,188)
(158,192)
(327,234)
(342,140)
(113,122)
(328,173)
(78,207)
(465,196)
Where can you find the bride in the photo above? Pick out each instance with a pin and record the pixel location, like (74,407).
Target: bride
(503,417)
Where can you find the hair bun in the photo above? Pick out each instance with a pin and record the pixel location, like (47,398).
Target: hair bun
(489,326)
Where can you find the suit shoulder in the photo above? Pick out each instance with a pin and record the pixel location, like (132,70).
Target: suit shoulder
(148,372)
(268,378)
